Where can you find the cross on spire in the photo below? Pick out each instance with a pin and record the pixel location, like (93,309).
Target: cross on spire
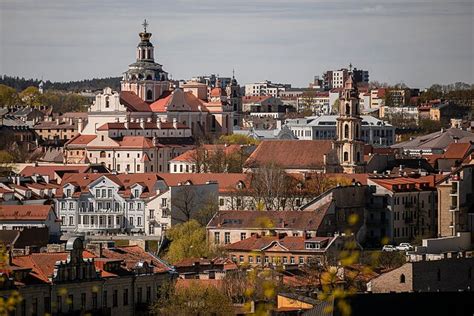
(145,24)
(350,67)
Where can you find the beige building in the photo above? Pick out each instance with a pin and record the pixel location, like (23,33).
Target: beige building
(450,274)
(455,202)
(120,280)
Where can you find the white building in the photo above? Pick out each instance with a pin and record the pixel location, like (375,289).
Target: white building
(373,131)
(265,88)
(26,216)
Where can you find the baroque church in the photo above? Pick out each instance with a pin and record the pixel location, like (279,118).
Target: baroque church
(147,93)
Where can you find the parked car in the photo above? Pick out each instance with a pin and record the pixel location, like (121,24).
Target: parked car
(389,248)
(404,246)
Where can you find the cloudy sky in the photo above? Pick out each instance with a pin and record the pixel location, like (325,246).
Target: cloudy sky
(418,42)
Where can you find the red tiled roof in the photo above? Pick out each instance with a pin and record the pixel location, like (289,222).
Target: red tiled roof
(290,154)
(42,264)
(178,100)
(190,155)
(49,171)
(133,102)
(24,212)
(225,181)
(136,142)
(132,255)
(292,243)
(396,183)
(80,140)
(457,150)
(300,220)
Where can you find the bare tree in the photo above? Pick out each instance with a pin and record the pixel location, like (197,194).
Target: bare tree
(185,202)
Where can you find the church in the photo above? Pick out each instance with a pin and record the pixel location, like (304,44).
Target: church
(147,93)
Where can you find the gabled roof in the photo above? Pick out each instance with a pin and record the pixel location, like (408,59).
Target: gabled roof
(24,212)
(132,255)
(178,100)
(51,170)
(133,102)
(290,154)
(226,181)
(458,150)
(136,142)
(287,243)
(400,184)
(80,140)
(437,140)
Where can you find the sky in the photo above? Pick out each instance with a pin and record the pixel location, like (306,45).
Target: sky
(417,42)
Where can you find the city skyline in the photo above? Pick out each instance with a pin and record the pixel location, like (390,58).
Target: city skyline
(396,41)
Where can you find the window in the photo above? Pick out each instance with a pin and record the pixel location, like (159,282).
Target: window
(301,260)
(139,221)
(221,202)
(104,299)
(243,236)
(250,259)
(47,305)
(104,193)
(259,259)
(217,237)
(71,302)
(241,259)
(285,260)
(94,300)
(227,238)
(139,295)
(125,297)
(71,205)
(71,220)
(163,202)
(152,214)
(266,259)
(136,193)
(68,192)
(83,300)
(63,205)
(138,167)
(346,131)
(148,294)
(292,260)
(115,299)
(109,193)
(130,221)
(346,156)
(59,303)
(402,278)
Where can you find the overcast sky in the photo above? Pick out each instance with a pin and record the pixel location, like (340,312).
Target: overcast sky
(415,42)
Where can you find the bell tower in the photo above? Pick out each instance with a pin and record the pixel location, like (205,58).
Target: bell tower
(145,77)
(349,147)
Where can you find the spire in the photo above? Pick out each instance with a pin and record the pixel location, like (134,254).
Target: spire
(145,24)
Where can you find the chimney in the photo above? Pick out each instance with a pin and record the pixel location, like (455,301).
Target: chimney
(79,125)
(175,123)
(127,123)
(142,123)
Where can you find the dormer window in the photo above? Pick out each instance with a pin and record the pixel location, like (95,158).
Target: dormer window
(68,192)
(312,245)
(137,193)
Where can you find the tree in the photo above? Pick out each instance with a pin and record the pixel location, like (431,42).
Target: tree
(269,186)
(207,211)
(8,96)
(308,100)
(185,202)
(195,299)
(31,96)
(188,240)
(237,139)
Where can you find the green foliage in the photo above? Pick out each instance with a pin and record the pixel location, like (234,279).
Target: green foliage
(237,139)
(64,102)
(194,299)
(188,240)
(6,157)
(8,96)
(31,96)
(72,86)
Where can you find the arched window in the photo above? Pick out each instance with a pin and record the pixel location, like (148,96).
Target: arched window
(149,77)
(358,156)
(107,102)
(357,132)
(402,278)
(149,95)
(348,109)
(346,131)
(346,156)
(102,154)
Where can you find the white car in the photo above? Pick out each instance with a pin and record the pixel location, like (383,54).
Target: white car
(404,246)
(389,248)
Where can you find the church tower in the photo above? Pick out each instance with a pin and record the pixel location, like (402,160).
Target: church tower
(235,99)
(349,147)
(145,77)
